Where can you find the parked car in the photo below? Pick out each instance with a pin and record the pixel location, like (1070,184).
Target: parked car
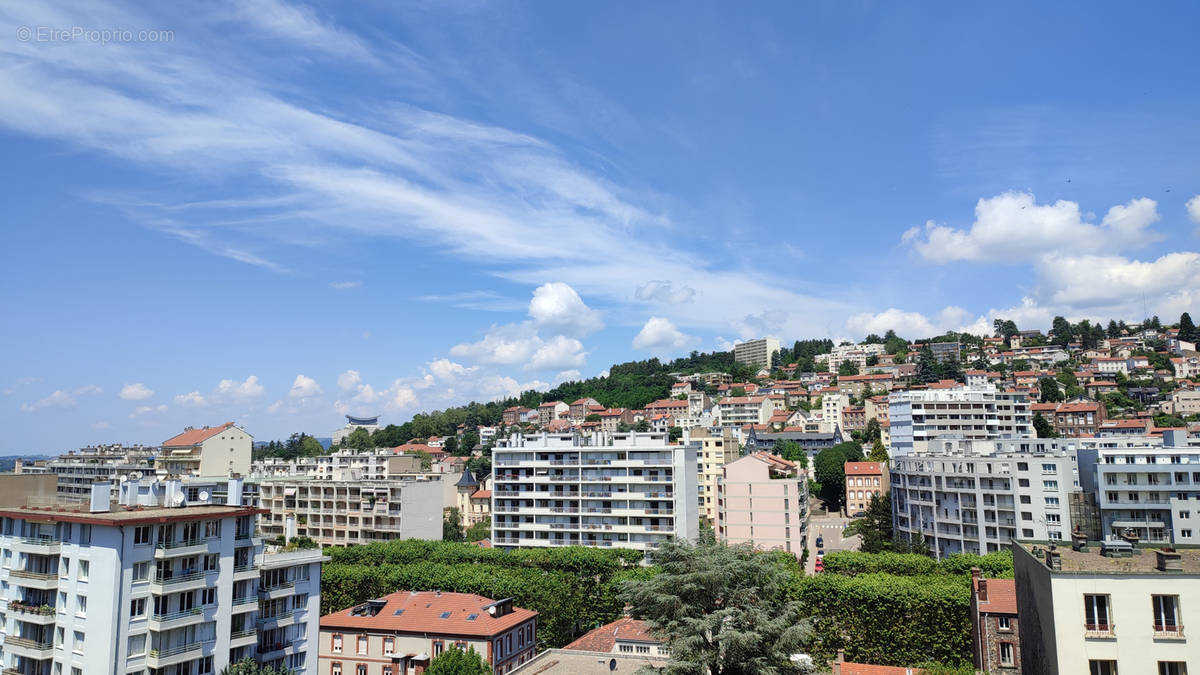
(820,541)
(819,566)
(820,553)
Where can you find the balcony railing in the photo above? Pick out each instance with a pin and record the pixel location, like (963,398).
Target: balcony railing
(1168,630)
(238,634)
(178,579)
(26,574)
(176,651)
(1099,629)
(182,543)
(41,610)
(195,611)
(276,586)
(28,643)
(248,567)
(245,600)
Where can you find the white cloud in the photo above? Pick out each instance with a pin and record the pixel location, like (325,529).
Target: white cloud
(401,397)
(558,307)
(1193,209)
(240,390)
(502,345)
(304,387)
(665,291)
(1012,227)
(143,410)
(558,353)
(88,390)
(20,382)
(344,285)
(136,392)
(567,376)
(192,399)
(1115,283)
(57,399)
(445,369)
(349,380)
(661,336)
(275,407)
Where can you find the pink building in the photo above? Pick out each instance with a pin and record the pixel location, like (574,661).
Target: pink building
(763,499)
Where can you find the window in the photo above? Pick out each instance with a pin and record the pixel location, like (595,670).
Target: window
(1026,515)
(1172,668)
(137,644)
(335,668)
(1096,614)
(1187,534)
(1051,501)
(1184,514)
(141,535)
(62,602)
(81,606)
(1005,623)
(78,646)
(212,528)
(1049,468)
(300,601)
(137,607)
(208,596)
(1098,667)
(141,571)
(1166,617)
(337,648)
(1049,485)
(438,646)
(64,568)
(1006,654)
(83,570)
(361,669)
(212,562)
(1023,482)
(60,636)
(362,644)
(205,666)
(1026,499)
(85,535)
(389,646)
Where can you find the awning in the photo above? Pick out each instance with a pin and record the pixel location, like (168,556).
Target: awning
(289,492)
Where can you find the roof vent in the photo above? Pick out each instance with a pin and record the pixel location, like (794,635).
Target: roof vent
(1168,560)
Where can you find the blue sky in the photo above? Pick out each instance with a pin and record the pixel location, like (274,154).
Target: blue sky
(282,212)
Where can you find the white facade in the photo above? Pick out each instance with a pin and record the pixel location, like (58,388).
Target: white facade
(629,490)
(1145,484)
(346,512)
(138,586)
(735,411)
(756,353)
(77,471)
(977,496)
(974,413)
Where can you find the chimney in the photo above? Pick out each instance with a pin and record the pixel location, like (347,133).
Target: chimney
(837,665)
(980,584)
(101,497)
(1168,560)
(1053,558)
(1079,541)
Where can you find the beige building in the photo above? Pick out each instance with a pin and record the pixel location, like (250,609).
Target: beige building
(762,499)
(715,451)
(1183,402)
(473,500)
(208,451)
(1099,607)
(550,411)
(28,489)
(400,633)
(756,353)
(863,481)
(346,512)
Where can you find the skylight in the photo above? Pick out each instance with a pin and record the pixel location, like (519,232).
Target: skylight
(445,615)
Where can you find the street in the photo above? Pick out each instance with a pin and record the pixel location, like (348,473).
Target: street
(828,526)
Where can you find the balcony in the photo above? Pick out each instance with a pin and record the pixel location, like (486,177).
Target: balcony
(39,545)
(39,614)
(242,638)
(179,582)
(183,547)
(30,649)
(178,619)
(40,580)
(283,618)
(1168,631)
(161,658)
(246,571)
(1099,630)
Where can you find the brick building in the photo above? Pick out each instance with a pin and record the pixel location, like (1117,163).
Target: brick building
(995,643)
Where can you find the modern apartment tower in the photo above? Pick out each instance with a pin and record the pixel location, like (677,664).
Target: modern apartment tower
(972,413)
(756,353)
(629,490)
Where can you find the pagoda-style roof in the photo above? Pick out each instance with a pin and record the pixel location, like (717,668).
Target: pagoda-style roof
(363,421)
(467,479)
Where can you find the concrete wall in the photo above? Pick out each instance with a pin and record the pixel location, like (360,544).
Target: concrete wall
(17,488)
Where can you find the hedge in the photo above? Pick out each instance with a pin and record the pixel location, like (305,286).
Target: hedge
(852,563)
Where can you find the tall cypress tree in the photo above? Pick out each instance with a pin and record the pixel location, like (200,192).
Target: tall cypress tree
(1187,329)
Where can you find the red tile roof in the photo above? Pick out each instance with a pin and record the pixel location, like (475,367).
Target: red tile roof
(422,612)
(195,436)
(481,494)
(1081,406)
(604,638)
(864,468)
(1002,596)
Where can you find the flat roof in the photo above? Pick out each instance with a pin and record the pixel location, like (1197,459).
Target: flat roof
(120,514)
(1143,561)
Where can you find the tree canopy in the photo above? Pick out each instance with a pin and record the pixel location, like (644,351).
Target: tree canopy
(455,661)
(830,471)
(721,609)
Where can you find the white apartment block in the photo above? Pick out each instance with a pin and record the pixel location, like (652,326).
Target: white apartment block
(856,354)
(973,413)
(1106,610)
(756,353)
(734,411)
(143,587)
(78,470)
(348,512)
(978,496)
(629,490)
(1144,485)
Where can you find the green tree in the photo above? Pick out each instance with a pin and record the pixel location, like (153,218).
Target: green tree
(359,439)
(847,368)
(469,441)
(722,610)
(829,469)
(249,666)
(1005,328)
(737,391)
(1113,329)
(878,452)
(452,525)
(876,527)
(480,466)
(873,360)
(479,531)
(1050,391)
(1043,428)
(455,661)
(674,434)
(872,432)
(926,367)
(1187,329)
(642,425)
(451,446)
(1061,332)
(594,417)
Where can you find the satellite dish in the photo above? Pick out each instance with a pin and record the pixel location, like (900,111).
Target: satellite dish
(135,475)
(204,496)
(177,500)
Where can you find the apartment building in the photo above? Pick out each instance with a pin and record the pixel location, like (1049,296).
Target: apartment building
(400,633)
(581,408)
(152,583)
(735,411)
(812,442)
(207,451)
(516,415)
(856,354)
(1106,610)
(550,411)
(974,413)
(78,470)
(1079,418)
(346,512)
(368,424)
(1183,402)
(631,490)
(946,352)
(995,635)
(1145,486)
(977,496)
(716,449)
(756,353)
(763,500)
(341,465)
(864,480)
(855,385)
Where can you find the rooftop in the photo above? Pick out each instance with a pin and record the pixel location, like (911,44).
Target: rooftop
(121,514)
(604,638)
(192,436)
(864,468)
(430,612)
(1144,561)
